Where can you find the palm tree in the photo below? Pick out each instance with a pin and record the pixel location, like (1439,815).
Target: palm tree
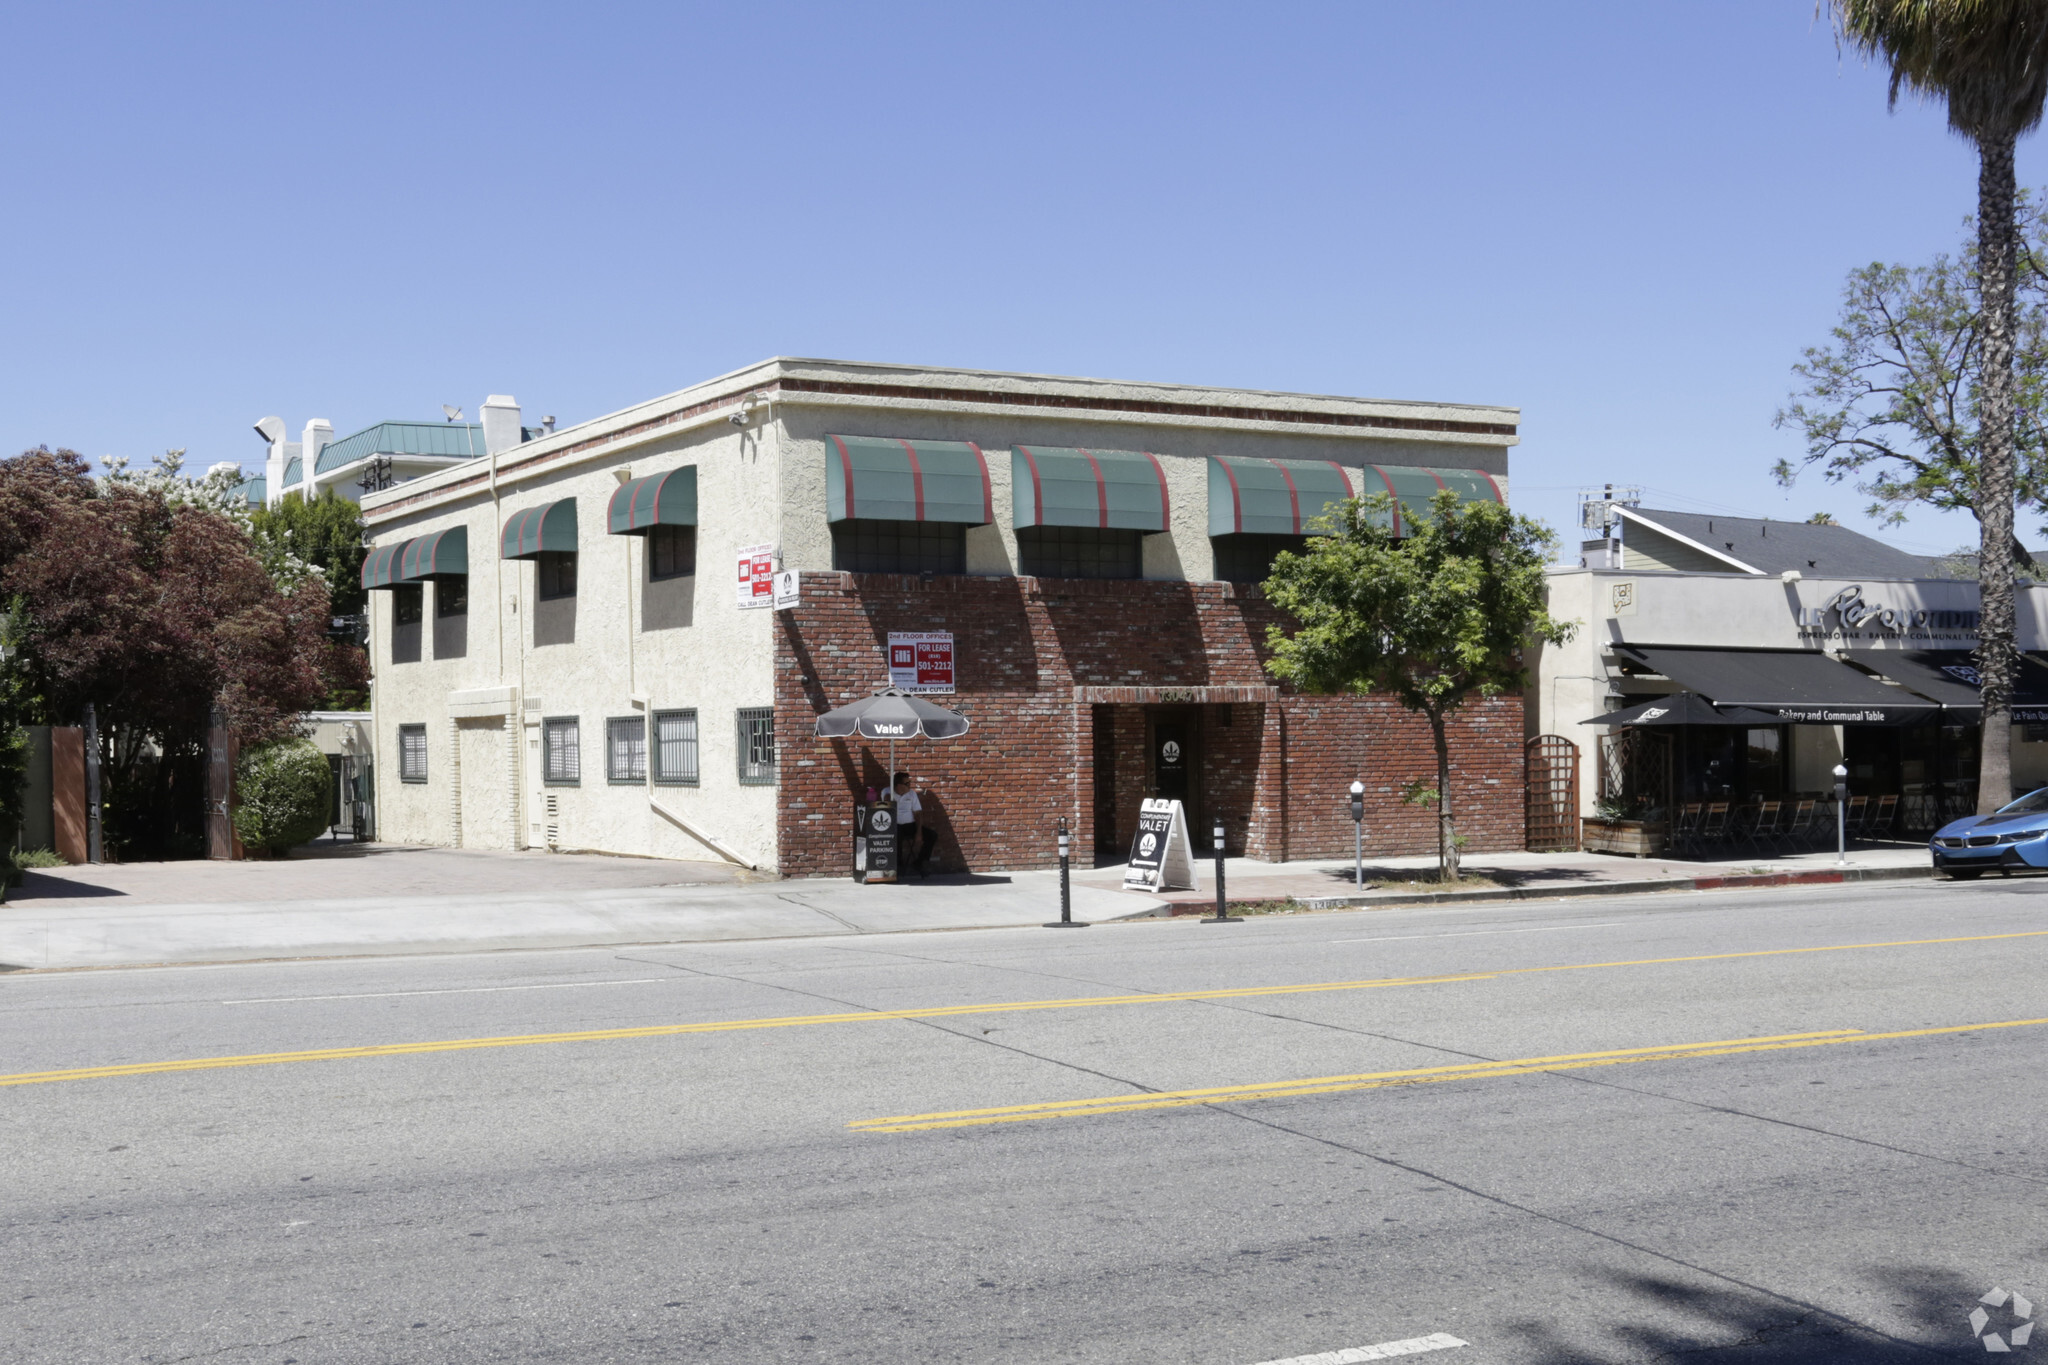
(1988,59)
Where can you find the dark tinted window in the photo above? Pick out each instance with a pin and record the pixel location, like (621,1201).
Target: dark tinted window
(1249,558)
(1080,552)
(557,575)
(864,546)
(406,607)
(451,597)
(671,551)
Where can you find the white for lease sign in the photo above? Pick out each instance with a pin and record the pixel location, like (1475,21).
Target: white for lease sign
(921,660)
(757,576)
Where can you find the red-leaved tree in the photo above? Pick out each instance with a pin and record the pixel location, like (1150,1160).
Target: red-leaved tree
(154,612)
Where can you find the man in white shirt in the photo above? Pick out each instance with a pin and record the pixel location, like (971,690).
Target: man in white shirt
(914,839)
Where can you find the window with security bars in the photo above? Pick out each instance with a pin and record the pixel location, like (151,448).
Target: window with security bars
(412,753)
(1248,558)
(863,545)
(757,744)
(625,749)
(675,748)
(671,552)
(562,751)
(1080,552)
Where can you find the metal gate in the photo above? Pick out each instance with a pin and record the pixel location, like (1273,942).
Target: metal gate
(1551,783)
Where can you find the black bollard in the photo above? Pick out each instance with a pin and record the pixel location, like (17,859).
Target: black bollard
(1066,919)
(1221,916)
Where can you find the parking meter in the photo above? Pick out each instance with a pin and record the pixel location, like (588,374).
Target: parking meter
(1358,833)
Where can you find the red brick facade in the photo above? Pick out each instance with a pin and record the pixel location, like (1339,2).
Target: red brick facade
(1035,660)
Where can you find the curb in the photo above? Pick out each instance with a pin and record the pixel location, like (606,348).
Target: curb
(1734,881)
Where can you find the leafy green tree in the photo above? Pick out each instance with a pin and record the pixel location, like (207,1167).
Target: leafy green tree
(1892,400)
(282,795)
(1987,60)
(1434,619)
(325,533)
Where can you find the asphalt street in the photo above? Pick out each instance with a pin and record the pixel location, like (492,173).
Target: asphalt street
(1799,1125)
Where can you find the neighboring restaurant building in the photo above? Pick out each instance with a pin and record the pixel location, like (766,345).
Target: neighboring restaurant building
(1858,649)
(576,642)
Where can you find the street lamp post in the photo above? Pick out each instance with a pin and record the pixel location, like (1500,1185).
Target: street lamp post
(1222,917)
(1841,816)
(1066,919)
(1358,832)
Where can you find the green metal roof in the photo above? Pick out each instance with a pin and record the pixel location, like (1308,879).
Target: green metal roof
(252,491)
(293,469)
(447,440)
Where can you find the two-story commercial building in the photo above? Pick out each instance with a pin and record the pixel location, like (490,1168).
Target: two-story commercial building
(577,643)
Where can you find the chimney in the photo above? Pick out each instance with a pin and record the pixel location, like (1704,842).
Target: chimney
(317,436)
(500,415)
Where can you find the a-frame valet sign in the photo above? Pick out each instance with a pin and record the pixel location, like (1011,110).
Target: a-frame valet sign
(1162,856)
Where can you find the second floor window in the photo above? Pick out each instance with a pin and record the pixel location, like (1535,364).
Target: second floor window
(557,575)
(406,605)
(451,597)
(671,551)
(862,545)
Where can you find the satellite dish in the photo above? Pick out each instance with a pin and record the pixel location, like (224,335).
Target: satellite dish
(453,414)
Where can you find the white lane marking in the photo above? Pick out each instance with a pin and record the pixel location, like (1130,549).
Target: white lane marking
(1386,1350)
(451,990)
(1474,933)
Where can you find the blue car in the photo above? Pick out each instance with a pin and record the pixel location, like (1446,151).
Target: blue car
(2013,836)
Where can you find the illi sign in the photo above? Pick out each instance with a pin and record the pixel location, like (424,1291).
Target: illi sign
(1849,615)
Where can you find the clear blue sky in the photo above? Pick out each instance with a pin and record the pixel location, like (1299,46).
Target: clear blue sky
(1627,220)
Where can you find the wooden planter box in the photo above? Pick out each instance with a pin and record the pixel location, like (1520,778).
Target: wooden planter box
(1634,838)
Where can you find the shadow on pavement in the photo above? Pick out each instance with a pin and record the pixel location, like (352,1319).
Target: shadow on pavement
(1712,1325)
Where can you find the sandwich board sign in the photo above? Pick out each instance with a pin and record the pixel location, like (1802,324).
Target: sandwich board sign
(1162,857)
(756,581)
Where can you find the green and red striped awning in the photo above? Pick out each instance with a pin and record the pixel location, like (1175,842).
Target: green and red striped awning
(1281,497)
(658,500)
(888,479)
(1052,486)
(1250,495)
(380,566)
(547,529)
(1412,488)
(441,554)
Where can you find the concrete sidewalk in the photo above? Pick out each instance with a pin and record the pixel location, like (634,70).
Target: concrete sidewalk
(1329,883)
(393,899)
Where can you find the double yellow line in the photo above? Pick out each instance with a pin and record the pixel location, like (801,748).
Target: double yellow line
(336,1054)
(1375,1080)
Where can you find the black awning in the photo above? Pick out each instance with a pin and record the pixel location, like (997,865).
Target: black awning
(1797,686)
(1681,708)
(1950,677)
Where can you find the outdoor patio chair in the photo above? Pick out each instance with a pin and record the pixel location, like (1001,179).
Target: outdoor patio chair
(1859,812)
(1765,827)
(1714,824)
(1799,827)
(1685,831)
(1879,826)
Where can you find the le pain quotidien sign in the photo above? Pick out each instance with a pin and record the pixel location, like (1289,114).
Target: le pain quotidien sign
(1849,615)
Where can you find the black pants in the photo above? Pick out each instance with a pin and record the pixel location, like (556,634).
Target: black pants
(914,845)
